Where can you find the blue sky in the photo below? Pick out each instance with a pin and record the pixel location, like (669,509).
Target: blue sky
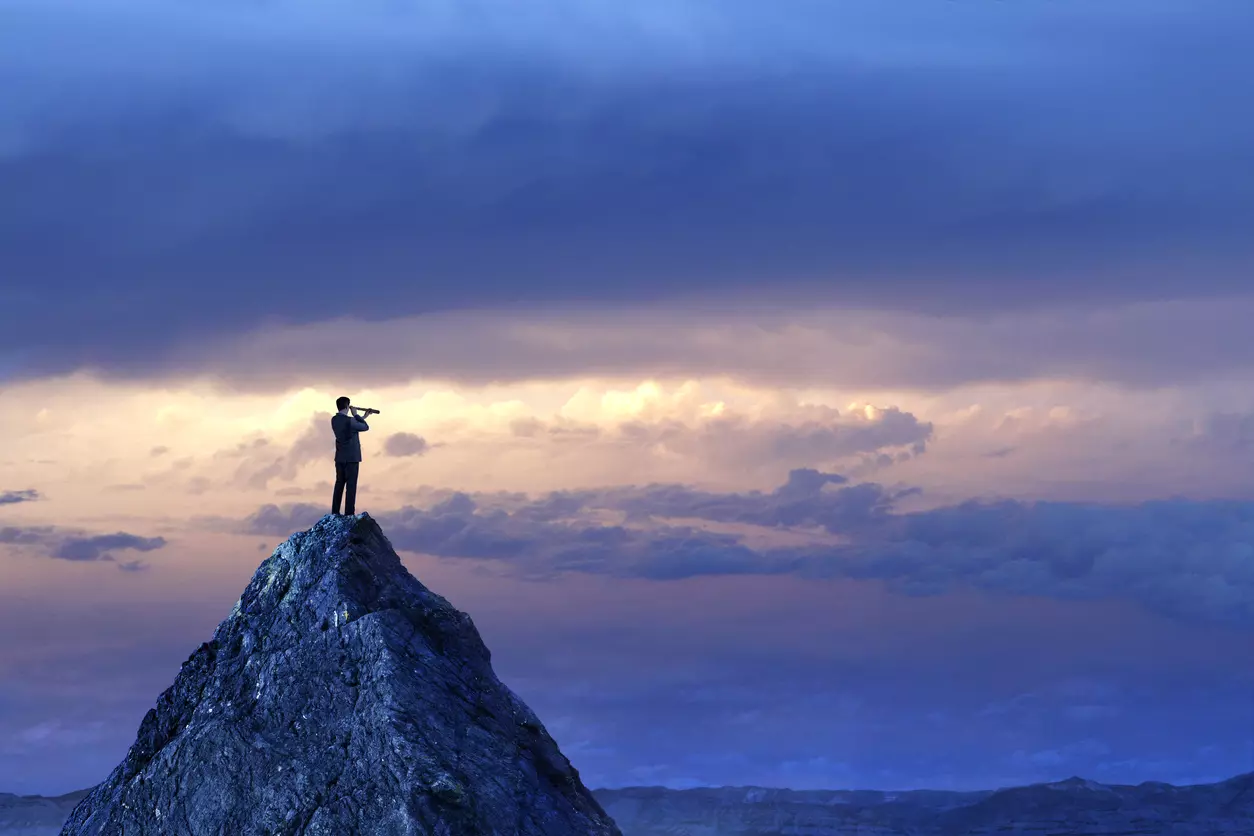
(808,394)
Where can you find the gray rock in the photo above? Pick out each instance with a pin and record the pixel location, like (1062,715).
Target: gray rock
(341,696)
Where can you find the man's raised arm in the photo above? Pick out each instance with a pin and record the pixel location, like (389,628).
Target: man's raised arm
(359,425)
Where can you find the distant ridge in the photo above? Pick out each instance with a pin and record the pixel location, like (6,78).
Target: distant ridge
(1074,806)
(1152,807)
(34,815)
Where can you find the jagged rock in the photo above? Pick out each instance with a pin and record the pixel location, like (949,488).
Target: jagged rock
(341,696)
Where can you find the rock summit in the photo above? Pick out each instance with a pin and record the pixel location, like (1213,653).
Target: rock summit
(341,696)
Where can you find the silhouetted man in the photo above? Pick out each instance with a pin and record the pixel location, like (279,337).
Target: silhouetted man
(347,455)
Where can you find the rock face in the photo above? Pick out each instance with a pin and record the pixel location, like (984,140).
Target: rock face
(341,697)
(1075,807)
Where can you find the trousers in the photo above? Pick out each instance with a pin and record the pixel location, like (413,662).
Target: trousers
(345,477)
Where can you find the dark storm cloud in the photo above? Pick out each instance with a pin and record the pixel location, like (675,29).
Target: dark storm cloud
(66,544)
(14,497)
(221,167)
(1183,559)
(770,345)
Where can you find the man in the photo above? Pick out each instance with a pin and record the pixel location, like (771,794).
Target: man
(347,455)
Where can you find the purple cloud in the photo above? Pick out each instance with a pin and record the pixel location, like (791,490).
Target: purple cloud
(66,544)
(1069,551)
(99,546)
(405,444)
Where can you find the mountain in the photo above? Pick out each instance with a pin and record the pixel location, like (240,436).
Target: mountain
(341,696)
(1072,807)
(31,815)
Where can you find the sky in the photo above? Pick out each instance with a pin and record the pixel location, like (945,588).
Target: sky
(806,394)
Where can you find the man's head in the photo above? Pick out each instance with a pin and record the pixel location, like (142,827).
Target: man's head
(341,403)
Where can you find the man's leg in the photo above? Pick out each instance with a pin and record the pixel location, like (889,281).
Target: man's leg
(339,489)
(350,501)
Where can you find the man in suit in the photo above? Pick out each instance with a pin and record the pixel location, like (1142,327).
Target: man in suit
(347,455)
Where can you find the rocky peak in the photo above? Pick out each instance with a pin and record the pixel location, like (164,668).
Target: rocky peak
(341,696)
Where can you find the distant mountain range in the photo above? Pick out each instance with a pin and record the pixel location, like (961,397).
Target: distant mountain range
(1074,806)
(33,815)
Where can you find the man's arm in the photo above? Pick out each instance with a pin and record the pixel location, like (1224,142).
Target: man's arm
(359,425)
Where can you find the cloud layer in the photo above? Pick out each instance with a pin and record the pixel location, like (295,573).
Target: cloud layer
(67,544)
(1138,345)
(961,161)
(1188,560)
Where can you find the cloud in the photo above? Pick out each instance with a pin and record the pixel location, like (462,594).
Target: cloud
(98,547)
(405,444)
(1181,559)
(261,461)
(457,527)
(1081,750)
(52,734)
(1088,713)
(579,433)
(637,153)
(25,536)
(1226,434)
(14,497)
(66,544)
(280,522)
(689,428)
(781,345)
(810,434)
(801,502)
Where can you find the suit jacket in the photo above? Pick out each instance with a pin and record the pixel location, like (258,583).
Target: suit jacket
(347,444)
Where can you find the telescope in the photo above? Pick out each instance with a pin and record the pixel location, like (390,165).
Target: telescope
(364,409)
